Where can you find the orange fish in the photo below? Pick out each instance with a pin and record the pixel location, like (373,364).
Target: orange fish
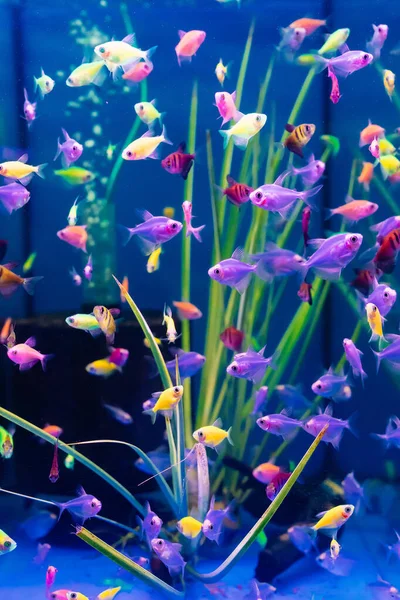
(5,331)
(125,285)
(299,137)
(190,42)
(138,72)
(369,133)
(9,281)
(385,258)
(395,178)
(53,430)
(310,25)
(188,311)
(304,292)
(363,281)
(366,175)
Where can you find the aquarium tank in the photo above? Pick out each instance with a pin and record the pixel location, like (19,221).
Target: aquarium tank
(199,324)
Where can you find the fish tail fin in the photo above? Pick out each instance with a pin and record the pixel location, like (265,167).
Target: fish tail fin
(59,149)
(36,85)
(164,135)
(350,424)
(381,437)
(306,195)
(44,359)
(303,269)
(274,359)
(101,76)
(226,136)
(141,527)
(321,63)
(262,272)
(40,169)
(363,376)
(381,340)
(196,232)
(30,283)
(161,117)
(149,54)
(127,233)
(328,213)
(152,414)
(378,359)
(229,436)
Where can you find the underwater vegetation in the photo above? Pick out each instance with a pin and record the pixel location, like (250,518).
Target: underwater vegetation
(246,285)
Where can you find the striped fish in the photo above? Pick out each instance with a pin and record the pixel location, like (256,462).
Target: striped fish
(179,163)
(106,322)
(299,137)
(237,193)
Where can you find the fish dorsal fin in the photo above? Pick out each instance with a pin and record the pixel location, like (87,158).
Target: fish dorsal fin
(115,312)
(329,410)
(349,199)
(311,158)
(154,101)
(344,48)
(238,253)
(177,352)
(31,342)
(397,535)
(129,39)
(23,158)
(392,337)
(145,214)
(330,371)
(148,133)
(65,134)
(182,147)
(261,352)
(321,514)
(11,265)
(80,491)
(231,182)
(148,507)
(286,412)
(181,33)
(282,177)
(212,502)
(254,588)
(316,243)
(233,96)
(369,122)
(218,423)
(289,127)
(177,547)
(156,394)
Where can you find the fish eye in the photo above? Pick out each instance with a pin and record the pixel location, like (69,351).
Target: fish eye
(173,225)
(47,83)
(14,352)
(200,434)
(73,595)
(217,271)
(365,57)
(258,195)
(211,526)
(146,67)
(160,542)
(380,29)
(222,96)
(7,544)
(168,163)
(129,153)
(1,167)
(234,368)
(74,148)
(318,386)
(93,504)
(347,509)
(153,521)
(70,80)
(374,309)
(258,118)
(353,239)
(386,294)
(308,128)
(176,390)
(102,49)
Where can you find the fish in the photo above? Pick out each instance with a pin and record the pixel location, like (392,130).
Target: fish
(251,365)
(306,60)
(299,136)
(386,147)
(7,544)
(278,199)
(291,40)
(54,471)
(233,272)
(118,414)
(341,566)
(187,310)
(118,356)
(390,165)
(138,72)
(260,399)
(12,338)
(232,338)
(109,594)
(75,175)
(28,264)
(5,330)
(330,521)
(172,334)
(260,591)
(391,353)
(213,521)
(146,146)
(154,231)
(153,262)
(353,491)
(276,262)
(150,526)
(102,368)
(292,396)
(236,193)
(300,537)
(383,590)
(353,356)
(366,175)
(9,281)
(88,323)
(161,459)
(88,73)
(391,437)
(347,63)
(278,482)
(375,321)
(39,524)
(310,25)
(69,462)
(148,113)
(279,424)
(75,235)
(335,549)
(335,94)
(187,212)
(334,41)
(26,356)
(221,71)
(364,281)
(105,319)
(386,255)
(50,577)
(110,150)
(157,340)
(76,278)
(124,53)
(246,128)
(304,293)
(20,170)
(374,148)
(370,132)
(53,430)
(225,102)
(305,224)
(70,150)
(179,162)
(88,269)
(330,385)
(266,472)
(336,428)
(189,43)
(43,84)
(125,286)
(14,196)
(189,363)
(6,442)
(189,527)
(29,110)
(170,554)
(166,402)
(66,595)
(332,255)
(41,553)
(213,435)
(311,173)
(378,39)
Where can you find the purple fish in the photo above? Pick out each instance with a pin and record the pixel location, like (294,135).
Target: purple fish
(118,414)
(346,63)
(336,428)
(292,397)
(279,424)
(260,399)
(251,365)
(118,356)
(292,38)
(160,457)
(213,521)
(353,355)
(375,45)
(233,271)
(275,198)
(14,196)
(332,255)
(29,110)
(26,356)
(259,591)
(154,231)
(340,566)
(383,296)
(189,363)
(300,536)
(276,262)
(353,491)
(331,386)
(142,561)
(170,555)
(385,227)
(391,353)
(42,552)
(150,526)
(383,590)
(88,270)
(70,149)
(311,172)
(391,437)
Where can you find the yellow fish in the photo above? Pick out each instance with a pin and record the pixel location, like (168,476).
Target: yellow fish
(147,112)
(213,435)
(125,285)
(189,527)
(169,212)
(20,171)
(389,79)
(109,594)
(157,341)
(28,264)
(389,165)
(75,175)
(333,519)
(221,71)
(306,60)
(102,368)
(334,41)
(44,83)
(69,462)
(375,321)
(153,264)
(7,544)
(172,334)
(247,127)
(88,73)
(145,146)
(335,549)
(386,147)
(166,402)
(106,321)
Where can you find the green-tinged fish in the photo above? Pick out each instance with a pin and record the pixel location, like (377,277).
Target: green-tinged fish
(44,84)
(7,544)
(6,443)
(87,73)
(75,175)
(306,60)
(334,41)
(110,151)
(332,141)
(69,462)
(28,264)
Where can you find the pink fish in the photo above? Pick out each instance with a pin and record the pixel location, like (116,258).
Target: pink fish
(26,356)
(335,91)
(347,63)
(76,278)
(118,356)
(42,552)
(232,338)
(187,211)
(29,110)
(374,148)
(225,103)
(88,270)
(179,163)
(75,235)
(54,471)
(190,42)
(353,210)
(50,577)
(138,72)
(70,150)
(273,488)
(375,45)
(53,430)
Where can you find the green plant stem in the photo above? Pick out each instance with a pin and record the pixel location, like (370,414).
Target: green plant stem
(123,561)
(13,418)
(248,540)
(211,181)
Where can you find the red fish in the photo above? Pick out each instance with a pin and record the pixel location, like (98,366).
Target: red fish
(179,163)
(54,471)
(237,193)
(273,488)
(386,256)
(335,91)
(232,338)
(363,281)
(138,72)
(304,292)
(305,224)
